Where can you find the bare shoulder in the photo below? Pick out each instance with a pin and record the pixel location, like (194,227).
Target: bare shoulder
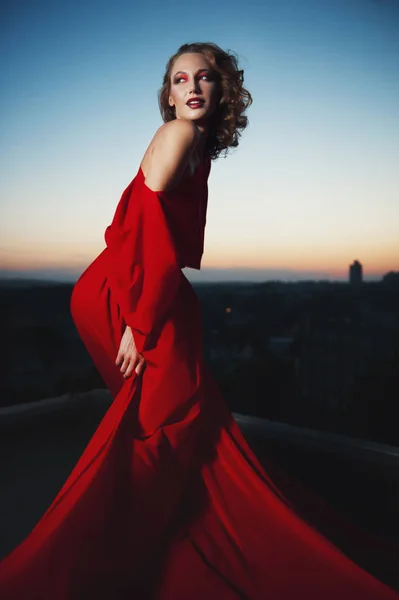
(180,129)
(169,154)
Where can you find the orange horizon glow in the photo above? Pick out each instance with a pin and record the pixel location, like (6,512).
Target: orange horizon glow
(371,268)
(304,255)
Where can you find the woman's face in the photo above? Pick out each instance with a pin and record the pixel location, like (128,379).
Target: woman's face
(192,77)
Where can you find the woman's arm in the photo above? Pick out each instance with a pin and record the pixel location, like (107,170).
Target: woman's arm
(145,270)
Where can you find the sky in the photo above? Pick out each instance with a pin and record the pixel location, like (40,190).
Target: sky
(312,186)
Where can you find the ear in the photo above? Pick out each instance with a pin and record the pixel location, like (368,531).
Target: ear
(171,103)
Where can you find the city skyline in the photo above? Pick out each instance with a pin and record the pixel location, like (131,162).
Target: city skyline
(206,275)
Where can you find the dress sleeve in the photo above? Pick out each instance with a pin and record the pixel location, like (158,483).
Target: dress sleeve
(143,269)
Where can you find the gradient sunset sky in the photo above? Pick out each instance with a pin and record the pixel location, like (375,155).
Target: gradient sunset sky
(312,186)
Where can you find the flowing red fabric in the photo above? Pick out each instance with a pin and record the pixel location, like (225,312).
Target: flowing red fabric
(168,501)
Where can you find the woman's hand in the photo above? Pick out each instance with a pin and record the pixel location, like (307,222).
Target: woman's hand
(128,357)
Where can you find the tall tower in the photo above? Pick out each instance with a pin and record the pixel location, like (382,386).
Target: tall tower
(356,273)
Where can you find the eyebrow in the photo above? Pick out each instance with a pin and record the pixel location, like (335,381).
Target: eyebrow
(197,71)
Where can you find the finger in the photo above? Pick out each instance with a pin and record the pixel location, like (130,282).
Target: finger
(140,367)
(130,369)
(119,357)
(125,364)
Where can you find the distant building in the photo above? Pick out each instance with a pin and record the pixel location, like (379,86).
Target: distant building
(280,346)
(337,352)
(356,273)
(391,279)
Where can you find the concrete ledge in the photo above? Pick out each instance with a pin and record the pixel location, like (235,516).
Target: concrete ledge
(325,441)
(26,415)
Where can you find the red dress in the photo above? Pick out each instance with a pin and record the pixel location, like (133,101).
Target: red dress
(168,502)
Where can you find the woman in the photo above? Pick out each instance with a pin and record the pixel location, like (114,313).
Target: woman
(167,501)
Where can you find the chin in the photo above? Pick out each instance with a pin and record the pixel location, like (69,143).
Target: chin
(199,117)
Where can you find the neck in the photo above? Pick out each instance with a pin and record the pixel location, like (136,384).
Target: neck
(203,128)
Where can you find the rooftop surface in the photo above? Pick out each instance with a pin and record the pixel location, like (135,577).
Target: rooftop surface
(41,442)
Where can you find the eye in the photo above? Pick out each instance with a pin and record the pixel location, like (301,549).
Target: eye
(206,76)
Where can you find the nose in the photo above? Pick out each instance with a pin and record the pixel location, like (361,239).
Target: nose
(195,85)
